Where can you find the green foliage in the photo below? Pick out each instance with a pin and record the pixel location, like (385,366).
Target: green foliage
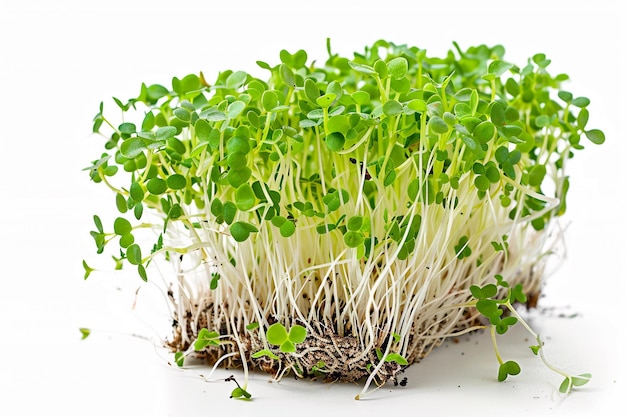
(391,357)
(88,269)
(486,119)
(573,381)
(179,358)
(491,302)
(277,334)
(205,339)
(239,392)
(508,368)
(84,332)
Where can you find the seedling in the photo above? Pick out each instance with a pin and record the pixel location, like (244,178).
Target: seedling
(490,306)
(84,332)
(238,392)
(355,208)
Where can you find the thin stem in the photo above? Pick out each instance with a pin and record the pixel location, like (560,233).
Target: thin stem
(492,331)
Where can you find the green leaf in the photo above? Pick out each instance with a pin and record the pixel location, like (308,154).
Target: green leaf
(566,385)
(183,114)
(156,186)
(176,182)
(85,332)
(595,135)
(353,239)
(438,125)
(397,358)
(482,183)
(498,116)
(244,197)
(190,82)
(237,160)
(287,346)
(132,147)
(508,368)
(297,334)
(362,68)
(484,132)
(127,240)
(542,121)
(335,141)
(230,210)
(381,68)
(580,102)
(237,177)
(121,226)
(88,269)
(141,270)
(566,96)
(417,105)
(517,294)
(311,90)
(265,352)
(240,231)
(583,118)
(489,308)
(355,223)
(98,223)
(288,228)
(235,108)
(581,379)
(236,80)
(206,338)
(133,254)
(536,175)
(136,192)
(165,133)
(127,128)
(469,142)
(326,100)
(489,291)
(179,358)
(214,281)
(492,173)
(498,67)
(476,292)
(269,99)
(397,68)
(238,144)
(155,92)
(362,97)
(287,75)
(240,393)
(276,334)
(338,123)
(392,108)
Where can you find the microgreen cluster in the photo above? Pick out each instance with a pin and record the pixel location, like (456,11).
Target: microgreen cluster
(354,201)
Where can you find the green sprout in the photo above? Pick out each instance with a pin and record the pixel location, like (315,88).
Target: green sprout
(277,335)
(206,338)
(493,308)
(84,332)
(239,391)
(360,196)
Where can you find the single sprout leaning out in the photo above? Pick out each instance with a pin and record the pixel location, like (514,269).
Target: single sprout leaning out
(340,219)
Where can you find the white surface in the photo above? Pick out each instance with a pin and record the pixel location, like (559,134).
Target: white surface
(58,60)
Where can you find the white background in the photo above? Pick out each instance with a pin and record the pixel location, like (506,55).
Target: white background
(58,60)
